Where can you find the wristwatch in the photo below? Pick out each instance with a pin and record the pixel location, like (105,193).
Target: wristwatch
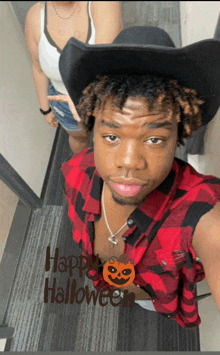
(45,112)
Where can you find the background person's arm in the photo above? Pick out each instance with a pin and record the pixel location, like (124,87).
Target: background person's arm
(106,16)
(32,34)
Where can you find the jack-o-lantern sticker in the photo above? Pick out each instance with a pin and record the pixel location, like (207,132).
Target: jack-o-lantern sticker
(119,272)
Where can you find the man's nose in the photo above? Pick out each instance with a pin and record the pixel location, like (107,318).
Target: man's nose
(130,156)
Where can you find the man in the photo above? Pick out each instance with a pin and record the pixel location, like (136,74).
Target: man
(129,195)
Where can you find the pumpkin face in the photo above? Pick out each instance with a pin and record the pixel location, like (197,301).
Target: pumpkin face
(118,273)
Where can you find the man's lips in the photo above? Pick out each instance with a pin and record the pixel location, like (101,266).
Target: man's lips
(127,189)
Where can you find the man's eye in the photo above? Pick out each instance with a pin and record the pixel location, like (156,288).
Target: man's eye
(110,138)
(154,140)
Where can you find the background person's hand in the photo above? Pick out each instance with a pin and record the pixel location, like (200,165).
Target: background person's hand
(51,119)
(67,99)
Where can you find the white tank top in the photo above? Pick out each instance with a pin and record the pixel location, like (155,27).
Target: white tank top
(49,53)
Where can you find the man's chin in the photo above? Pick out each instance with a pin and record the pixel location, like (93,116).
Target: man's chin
(133,200)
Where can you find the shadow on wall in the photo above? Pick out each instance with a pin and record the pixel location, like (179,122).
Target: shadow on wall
(163,14)
(21,9)
(217,30)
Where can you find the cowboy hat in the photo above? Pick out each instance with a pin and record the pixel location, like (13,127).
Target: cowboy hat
(143,50)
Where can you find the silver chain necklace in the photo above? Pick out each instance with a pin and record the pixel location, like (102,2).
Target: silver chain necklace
(64,18)
(112,237)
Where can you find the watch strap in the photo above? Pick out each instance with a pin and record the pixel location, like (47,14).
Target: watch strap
(45,112)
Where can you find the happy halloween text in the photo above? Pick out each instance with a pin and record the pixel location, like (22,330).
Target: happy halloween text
(71,294)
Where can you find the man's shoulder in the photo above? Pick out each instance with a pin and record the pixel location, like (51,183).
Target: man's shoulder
(195,195)
(79,161)
(78,171)
(191,180)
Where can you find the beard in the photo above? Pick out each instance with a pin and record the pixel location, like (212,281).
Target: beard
(129,201)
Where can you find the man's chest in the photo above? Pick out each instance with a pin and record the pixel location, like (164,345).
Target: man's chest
(103,246)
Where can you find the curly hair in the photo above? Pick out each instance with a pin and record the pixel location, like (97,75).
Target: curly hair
(157,90)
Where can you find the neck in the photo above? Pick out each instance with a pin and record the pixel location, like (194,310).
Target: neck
(114,206)
(64,4)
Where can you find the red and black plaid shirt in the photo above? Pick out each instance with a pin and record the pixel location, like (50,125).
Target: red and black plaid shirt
(159,238)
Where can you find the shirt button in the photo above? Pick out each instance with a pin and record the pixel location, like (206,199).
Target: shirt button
(124,238)
(153,301)
(130,222)
(168,316)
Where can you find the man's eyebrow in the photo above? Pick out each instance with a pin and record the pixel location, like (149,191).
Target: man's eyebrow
(151,125)
(110,124)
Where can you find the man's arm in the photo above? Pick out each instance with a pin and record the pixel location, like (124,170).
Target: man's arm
(206,243)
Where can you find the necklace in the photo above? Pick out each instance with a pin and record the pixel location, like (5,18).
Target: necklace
(64,18)
(112,237)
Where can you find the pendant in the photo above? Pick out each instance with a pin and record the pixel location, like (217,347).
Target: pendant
(113,241)
(61,32)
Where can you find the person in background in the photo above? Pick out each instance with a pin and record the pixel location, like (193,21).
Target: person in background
(48,27)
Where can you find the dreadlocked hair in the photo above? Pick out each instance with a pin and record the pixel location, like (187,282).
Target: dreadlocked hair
(157,90)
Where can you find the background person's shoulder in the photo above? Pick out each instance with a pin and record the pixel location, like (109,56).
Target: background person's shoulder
(32,22)
(34,11)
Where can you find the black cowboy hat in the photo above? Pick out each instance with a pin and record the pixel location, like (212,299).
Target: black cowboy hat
(142,50)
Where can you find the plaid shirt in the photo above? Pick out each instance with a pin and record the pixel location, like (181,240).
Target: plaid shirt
(159,238)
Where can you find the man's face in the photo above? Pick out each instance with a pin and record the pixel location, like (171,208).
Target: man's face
(134,149)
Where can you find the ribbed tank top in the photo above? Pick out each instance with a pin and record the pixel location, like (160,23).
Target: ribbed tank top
(49,52)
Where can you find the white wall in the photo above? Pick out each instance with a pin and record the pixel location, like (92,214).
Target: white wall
(198,22)
(26,139)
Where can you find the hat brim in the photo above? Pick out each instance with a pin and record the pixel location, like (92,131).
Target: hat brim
(195,66)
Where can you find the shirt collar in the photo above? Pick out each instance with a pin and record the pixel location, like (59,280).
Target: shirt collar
(157,202)
(93,190)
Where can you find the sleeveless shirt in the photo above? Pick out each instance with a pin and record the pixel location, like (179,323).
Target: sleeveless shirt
(159,238)
(49,52)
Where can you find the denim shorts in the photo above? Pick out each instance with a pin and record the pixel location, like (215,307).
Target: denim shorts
(63,113)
